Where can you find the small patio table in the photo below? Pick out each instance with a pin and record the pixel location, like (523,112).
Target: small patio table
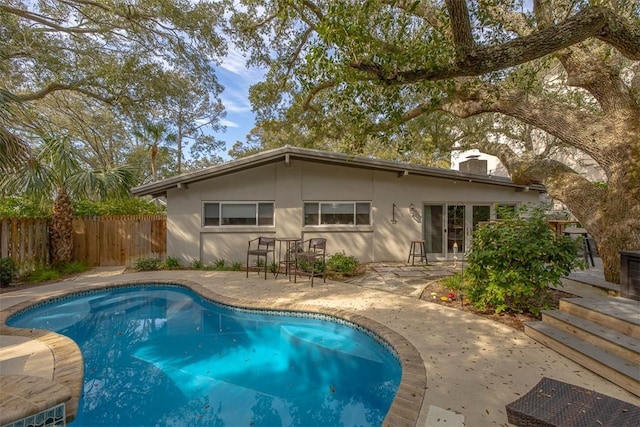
(288,246)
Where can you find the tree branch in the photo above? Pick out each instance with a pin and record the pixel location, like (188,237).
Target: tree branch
(515,22)
(55,87)
(47,23)
(424,9)
(313,92)
(601,79)
(591,22)
(460,27)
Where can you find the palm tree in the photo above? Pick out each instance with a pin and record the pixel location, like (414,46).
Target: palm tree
(55,171)
(153,133)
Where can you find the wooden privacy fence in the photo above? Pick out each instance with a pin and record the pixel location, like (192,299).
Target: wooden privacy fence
(25,240)
(119,240)
(98,241)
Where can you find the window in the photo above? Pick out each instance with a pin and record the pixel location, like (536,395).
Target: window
(337,213)
(238,213)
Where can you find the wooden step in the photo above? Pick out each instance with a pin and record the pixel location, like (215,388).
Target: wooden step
(619,314)
(614,342)
(616,369)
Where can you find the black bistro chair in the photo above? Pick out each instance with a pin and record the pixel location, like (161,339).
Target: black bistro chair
(316,250)
(261,247)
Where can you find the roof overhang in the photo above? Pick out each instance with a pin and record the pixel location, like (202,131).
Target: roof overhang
(289,154)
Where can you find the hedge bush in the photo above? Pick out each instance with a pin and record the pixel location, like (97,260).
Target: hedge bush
(513,261)
(8,270)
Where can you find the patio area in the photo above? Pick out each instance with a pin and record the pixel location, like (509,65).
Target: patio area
(474,366)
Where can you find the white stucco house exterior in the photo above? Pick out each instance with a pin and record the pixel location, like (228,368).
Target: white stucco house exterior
(371,209)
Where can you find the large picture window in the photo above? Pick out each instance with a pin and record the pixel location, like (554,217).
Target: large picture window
(238,213)
(337,213)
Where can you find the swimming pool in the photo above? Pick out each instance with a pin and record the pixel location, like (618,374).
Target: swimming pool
(163,355)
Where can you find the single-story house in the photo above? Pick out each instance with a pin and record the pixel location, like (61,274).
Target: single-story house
(371,209)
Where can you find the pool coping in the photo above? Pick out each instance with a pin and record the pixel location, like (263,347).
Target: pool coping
(68,366)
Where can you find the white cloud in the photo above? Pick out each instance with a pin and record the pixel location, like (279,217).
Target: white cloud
(229,123)
(235,102)
(235,63)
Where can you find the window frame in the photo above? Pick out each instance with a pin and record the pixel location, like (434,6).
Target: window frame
(221,218)
(319,213)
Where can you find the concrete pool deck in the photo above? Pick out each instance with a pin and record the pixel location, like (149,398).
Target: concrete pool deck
(474,366)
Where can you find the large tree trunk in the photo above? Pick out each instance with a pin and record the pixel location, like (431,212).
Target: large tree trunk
(610,212)
(61,230)
(614,223)
(614,227)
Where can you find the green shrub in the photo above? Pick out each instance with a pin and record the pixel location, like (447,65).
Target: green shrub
(172,263)
(23,207)
(49,274)
(455,282)
(236,266)
(513,262)
(196,264)
(148,264)
(126,206)
(343,264)
(304,265)
(44,275)
(73,267)
(8,270)
(219,265)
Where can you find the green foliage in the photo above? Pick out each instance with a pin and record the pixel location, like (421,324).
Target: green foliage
(56,273)
(344,264)
(148,264)
(156,59)
(8,270)
(455,282)
(43,275)
(126,206)
(196,264)
(172,263)
(72,267)
(306,266)
(22,207)
(513,262)
(222,265)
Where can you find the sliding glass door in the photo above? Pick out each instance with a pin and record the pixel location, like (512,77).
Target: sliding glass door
(448,228)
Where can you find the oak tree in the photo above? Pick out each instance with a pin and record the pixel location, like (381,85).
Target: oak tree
(569,70)
(74,64)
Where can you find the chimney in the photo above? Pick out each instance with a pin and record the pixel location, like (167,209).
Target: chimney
(473,165)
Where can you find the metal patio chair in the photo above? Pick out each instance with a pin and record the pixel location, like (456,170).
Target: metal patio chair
(261,247)
(316,251)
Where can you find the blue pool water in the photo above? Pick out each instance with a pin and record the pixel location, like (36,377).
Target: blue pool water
(160,355)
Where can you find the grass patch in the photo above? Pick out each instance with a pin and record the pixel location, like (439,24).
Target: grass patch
(49,274)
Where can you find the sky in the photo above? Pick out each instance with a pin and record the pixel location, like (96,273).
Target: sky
(236,79)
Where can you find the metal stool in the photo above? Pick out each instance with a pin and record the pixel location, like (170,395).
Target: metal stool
(417,250)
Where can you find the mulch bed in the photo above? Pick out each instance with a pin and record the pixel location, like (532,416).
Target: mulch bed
(513,320)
